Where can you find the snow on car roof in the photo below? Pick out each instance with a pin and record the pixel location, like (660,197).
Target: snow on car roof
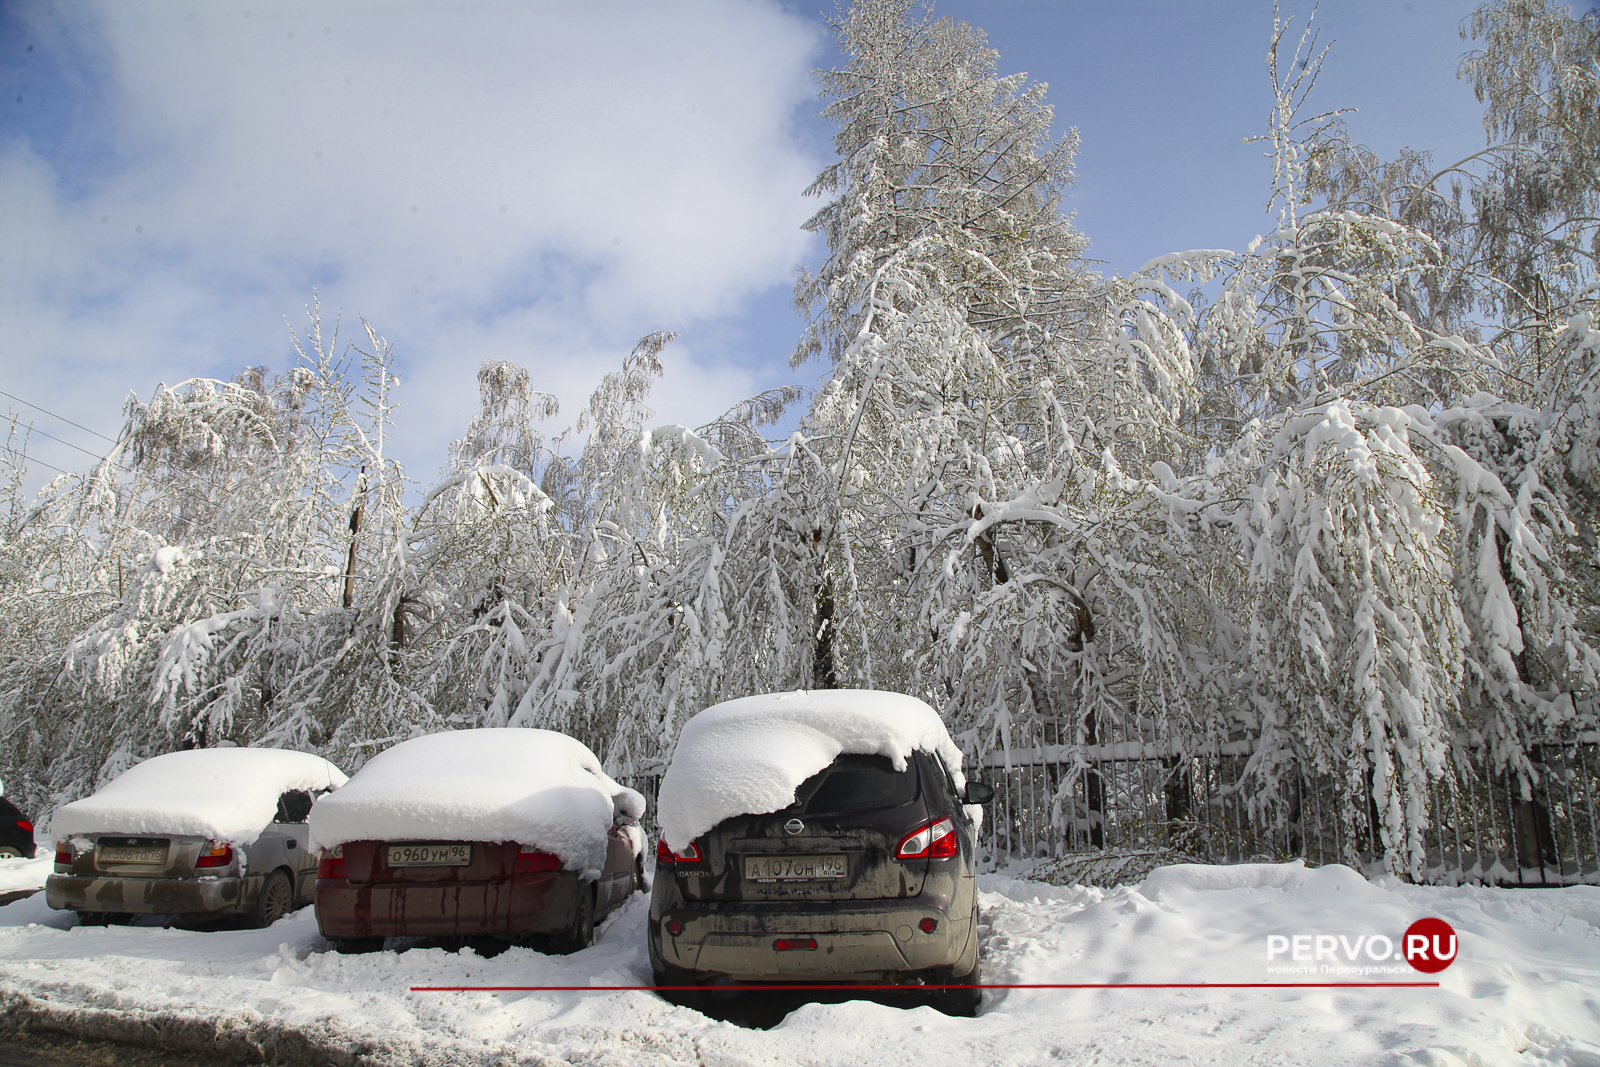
(226,794)
(536,787)
(748,756)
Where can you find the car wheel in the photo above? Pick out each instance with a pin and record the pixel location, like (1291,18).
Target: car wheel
(274,900)
(581,934)
(350,946)
(10,852)
(638,875)
(959,1002)
(674,978)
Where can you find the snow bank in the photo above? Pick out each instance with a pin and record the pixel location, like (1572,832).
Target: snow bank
(536,787)
(748,756)
(17,873)
(1521,993)
(1209,877)
(226,794)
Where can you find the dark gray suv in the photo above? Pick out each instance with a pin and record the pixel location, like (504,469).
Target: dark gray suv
(868,876)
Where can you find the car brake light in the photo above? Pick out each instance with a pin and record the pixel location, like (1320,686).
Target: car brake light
(664,853)
(932,840)
(63,854)
(531,861)
(330,864)
(25,826)
(214,855)
(793,944)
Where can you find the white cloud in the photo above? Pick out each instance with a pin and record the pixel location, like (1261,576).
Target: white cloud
(535,182)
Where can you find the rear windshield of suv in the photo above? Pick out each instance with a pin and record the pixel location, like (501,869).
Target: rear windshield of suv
(857,783)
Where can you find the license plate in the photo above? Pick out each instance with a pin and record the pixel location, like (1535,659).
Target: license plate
(125,854)
(430,855)
(793,868)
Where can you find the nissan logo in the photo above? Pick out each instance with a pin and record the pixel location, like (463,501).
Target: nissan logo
(793,826)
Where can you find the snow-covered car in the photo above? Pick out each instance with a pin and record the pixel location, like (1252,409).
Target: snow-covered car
(818,836)
(16,832)
(201,834)
(509,834)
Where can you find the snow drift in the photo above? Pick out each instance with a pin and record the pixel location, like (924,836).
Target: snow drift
(536,787)
(226,794)
(748,756)
(1522,993)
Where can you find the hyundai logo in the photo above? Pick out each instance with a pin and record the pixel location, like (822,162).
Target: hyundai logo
(793,826)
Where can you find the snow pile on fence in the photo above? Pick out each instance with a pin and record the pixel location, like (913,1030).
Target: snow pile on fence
(536,787)
(748,756)
(226,794)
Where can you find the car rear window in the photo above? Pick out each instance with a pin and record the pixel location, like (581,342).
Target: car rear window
(857,783)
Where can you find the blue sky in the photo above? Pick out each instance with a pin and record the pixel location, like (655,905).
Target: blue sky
(545,182)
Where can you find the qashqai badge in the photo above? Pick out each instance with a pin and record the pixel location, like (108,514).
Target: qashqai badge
(793,826)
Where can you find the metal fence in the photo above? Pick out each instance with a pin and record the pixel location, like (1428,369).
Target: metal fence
(1112,811)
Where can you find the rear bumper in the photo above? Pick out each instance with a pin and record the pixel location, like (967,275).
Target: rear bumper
(870,940)
(150,896)
(544,903)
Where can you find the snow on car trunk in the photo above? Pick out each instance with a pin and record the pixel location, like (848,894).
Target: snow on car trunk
(226,794)
(748,756)
(535,787)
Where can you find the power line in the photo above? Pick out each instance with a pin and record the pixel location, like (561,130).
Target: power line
(59,441)
(26,460)
(63,418)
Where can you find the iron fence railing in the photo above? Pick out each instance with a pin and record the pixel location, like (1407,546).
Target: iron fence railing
(1121,808)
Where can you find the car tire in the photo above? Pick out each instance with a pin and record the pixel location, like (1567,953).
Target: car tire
(10,852)
(581,934)
(962,1003)
(352,946)
(275,900)
(684,998)
(638,875)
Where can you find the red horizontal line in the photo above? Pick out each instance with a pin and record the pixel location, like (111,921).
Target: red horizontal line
(778,987)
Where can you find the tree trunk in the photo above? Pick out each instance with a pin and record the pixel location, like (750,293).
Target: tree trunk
(350,560)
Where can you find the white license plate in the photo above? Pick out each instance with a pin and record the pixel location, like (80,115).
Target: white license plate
(123,854)
(793,868)
(430,855)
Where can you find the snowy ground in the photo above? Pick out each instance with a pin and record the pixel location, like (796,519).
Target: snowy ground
(16,873)
(1525,988)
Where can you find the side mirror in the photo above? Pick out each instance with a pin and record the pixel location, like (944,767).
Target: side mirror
(623,818)
(978,793)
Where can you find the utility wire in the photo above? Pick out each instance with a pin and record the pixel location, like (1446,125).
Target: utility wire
(63,418)
(26,459)
(69,444)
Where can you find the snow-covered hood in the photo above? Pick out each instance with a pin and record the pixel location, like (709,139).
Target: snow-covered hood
(535,787)
(748,756)
(226,794)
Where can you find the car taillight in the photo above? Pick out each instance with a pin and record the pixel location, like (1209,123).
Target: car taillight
(63,854)
(214,855)
(664,853)
(25,826)
(531,861)
(330,862)
(934,840)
